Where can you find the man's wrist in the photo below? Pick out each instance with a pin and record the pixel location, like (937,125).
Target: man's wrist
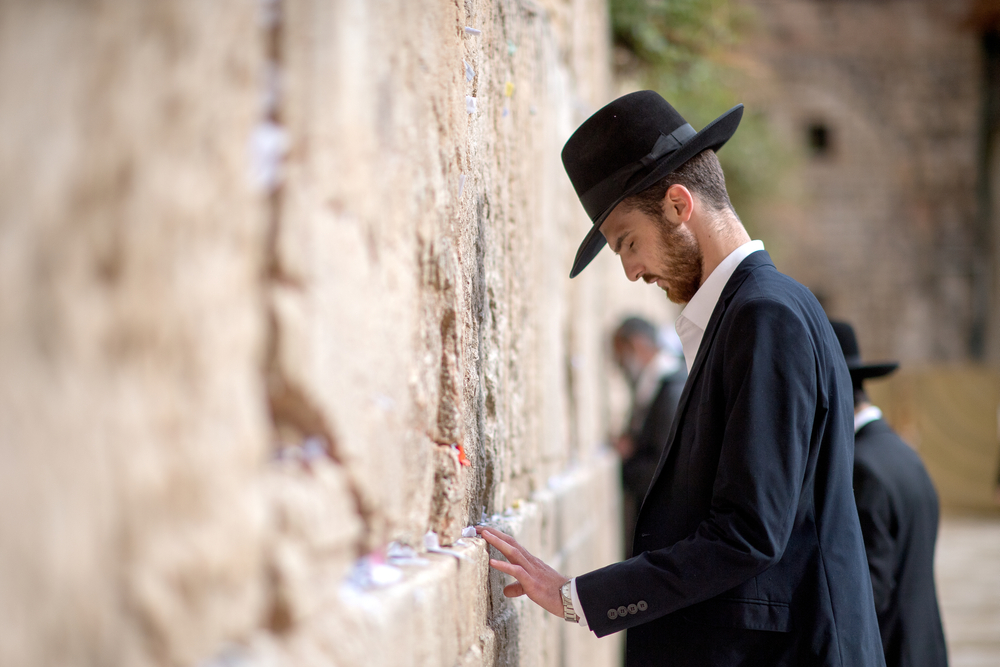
(569,613)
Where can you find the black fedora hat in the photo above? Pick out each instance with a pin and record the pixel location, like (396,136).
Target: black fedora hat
(628,146)
(849,344)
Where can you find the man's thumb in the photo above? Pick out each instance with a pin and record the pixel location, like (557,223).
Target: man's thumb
(514,590)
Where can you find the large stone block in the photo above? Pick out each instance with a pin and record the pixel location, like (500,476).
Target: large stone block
(132,419)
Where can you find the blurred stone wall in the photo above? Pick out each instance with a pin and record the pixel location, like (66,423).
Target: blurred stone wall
(264,267)
(880,104)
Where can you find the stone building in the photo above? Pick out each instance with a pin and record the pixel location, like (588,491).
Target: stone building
(284,283)
(890,107)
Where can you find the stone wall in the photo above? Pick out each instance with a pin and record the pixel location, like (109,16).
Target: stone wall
(264,267)
(881,103)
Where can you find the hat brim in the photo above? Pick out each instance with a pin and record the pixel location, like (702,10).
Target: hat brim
(861,372)
(713,136)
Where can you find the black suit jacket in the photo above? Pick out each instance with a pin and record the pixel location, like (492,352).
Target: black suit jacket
(650,435)
(749,546)
(898,507)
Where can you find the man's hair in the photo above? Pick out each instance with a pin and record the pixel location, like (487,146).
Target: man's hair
(636,327)
(702,175)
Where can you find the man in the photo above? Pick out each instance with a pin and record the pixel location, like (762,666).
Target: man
(749,549)
(655,376)
(898,507)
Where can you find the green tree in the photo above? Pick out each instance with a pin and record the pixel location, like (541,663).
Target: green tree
(687,50)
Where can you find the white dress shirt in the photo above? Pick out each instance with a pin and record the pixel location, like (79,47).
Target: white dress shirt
(691,327)
(865,417)
(694,318)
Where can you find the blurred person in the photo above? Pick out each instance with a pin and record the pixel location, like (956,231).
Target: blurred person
(748,544)
(655,374)
(898,508)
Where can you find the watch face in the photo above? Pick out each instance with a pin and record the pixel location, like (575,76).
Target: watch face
(567,601)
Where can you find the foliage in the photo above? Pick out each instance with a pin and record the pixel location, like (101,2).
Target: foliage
(687,50)
(675,33)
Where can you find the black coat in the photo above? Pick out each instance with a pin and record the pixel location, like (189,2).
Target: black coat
(649,434)
(898,507)
(650,428)
(750,548)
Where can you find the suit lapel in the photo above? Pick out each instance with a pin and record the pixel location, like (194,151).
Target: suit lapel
(741,273)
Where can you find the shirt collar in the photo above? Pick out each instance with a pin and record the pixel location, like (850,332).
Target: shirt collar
(694,318)
(866,416)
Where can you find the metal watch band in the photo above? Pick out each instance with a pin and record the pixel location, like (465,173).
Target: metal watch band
(567,601)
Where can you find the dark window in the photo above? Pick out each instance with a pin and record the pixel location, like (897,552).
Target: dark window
(818,138)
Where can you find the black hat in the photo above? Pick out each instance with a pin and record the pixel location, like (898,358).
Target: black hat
(628,146)
(849,344)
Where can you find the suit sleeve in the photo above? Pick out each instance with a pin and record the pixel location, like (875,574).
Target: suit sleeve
(877,525)
(770,406)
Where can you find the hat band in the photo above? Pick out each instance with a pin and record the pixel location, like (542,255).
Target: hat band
(597,198)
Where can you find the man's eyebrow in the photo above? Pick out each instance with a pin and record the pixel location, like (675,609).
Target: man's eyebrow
(618,243)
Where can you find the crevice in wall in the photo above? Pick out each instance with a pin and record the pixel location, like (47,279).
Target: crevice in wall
(440,313)
(279,616)
(446,516)
(270,140)
(571,398)
(449,417)
(506,628)
(486,479)
(301,431)
(295,416)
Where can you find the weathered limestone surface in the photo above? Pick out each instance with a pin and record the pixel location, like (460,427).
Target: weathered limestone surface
(132,426)
(437,614)
(260,270)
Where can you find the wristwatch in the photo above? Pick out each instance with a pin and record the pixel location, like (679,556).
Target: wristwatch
(567,599)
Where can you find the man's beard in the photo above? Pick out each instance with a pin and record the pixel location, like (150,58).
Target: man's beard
(681,262)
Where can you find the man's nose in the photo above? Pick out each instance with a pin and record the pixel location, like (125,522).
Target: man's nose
(633,269)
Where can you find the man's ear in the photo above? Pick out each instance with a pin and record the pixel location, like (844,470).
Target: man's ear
(678,204)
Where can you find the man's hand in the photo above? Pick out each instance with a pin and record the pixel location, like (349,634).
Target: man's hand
(624,446)
(534,578)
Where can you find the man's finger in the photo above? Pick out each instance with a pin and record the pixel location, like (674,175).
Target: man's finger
(511,553)
(515,571)
(514,590)
(499,535)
